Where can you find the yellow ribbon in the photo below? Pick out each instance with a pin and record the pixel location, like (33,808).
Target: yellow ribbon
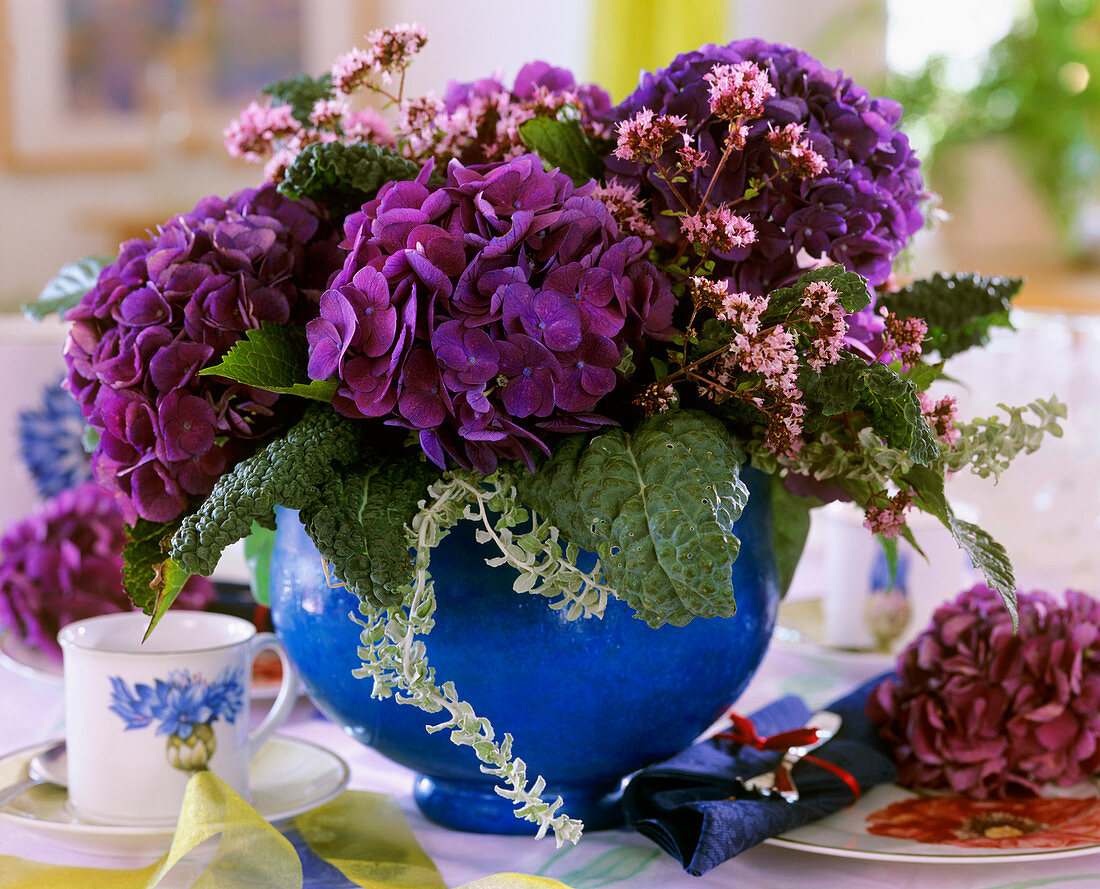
(364,835)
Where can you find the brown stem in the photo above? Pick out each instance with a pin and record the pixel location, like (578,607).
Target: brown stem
(675,190)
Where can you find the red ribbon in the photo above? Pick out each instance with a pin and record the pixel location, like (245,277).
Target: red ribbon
(744,732)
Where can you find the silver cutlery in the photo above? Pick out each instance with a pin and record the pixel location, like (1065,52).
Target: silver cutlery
(778,782)
(47,767)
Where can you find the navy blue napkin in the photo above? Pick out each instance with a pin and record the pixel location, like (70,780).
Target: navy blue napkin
(684,805)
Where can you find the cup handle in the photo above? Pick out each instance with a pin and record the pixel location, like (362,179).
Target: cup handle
(284,701)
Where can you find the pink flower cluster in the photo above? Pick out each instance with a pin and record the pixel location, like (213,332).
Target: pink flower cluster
(642,138)
(720,229)
(255,132)
(902,338)
(888,519)
(270,134)
(791,144)
(984,711)
(822,310)
(941,416)
(738,92)
(389,50)
(625,206)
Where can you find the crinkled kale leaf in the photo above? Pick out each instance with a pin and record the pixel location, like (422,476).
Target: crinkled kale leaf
(657,505)
(344,177)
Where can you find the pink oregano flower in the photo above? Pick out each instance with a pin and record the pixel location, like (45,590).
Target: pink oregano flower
(253,134)
(738,92)
(642,137)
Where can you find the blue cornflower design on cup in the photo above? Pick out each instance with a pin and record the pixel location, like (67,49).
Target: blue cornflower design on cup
(184,706)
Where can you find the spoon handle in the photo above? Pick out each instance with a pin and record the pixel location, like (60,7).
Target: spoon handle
(9,793)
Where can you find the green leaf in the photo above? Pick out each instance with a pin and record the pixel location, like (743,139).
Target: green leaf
(850,287)
(888,401)
(562,144)
(366,508)
(657,505)
(287,471)
(959,308)
(790,528)
(986,554)
(343,177)
(258,547)
(148,573)
(174,579)
(300,92)
(65,290)
(273,357)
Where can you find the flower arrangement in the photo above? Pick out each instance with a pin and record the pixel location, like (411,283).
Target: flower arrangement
(570,322)
(986,709)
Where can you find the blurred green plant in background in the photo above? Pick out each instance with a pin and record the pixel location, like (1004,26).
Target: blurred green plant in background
(1039,89)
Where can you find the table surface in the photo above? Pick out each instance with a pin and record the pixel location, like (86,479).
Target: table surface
(31,711)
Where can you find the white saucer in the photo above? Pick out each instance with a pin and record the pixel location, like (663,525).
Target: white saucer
(289,776)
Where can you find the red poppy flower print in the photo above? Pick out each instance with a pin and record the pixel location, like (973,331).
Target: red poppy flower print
(991,824)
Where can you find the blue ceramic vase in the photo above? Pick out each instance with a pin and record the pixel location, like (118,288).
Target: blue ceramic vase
(587,701)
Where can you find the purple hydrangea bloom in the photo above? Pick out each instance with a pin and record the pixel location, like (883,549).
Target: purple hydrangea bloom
(982,710)
(860,212)
(173,305)
(485,311)
(63,563)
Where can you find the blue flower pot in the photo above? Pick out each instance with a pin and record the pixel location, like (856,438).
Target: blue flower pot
(587,701)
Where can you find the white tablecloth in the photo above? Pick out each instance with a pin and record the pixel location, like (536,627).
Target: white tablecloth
(31,711)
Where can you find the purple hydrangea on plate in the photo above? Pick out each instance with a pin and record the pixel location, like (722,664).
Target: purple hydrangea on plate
(63,563)
(485,312)
(990,713)
(172,305)
(860,212)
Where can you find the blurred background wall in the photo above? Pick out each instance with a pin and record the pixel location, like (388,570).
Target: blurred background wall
(111,114)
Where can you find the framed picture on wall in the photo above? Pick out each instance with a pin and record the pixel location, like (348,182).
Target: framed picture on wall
(102,84)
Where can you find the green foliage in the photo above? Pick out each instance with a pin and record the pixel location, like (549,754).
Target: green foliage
(300,92)
(790,528)
(657,505)
(358,524)
(985,553)
(888,401)
(343,177)
(850,287)
(988,445)
(545,565)
(147,571)
(960,308)
(562,143)
(1032,90)
(273,357)
(67,287)
(288,471)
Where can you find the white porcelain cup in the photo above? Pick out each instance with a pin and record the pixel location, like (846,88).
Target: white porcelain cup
(142,717)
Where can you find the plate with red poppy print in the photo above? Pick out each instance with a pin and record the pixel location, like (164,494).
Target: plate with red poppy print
(892,824)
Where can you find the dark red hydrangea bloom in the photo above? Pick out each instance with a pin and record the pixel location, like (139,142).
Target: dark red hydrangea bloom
(167,308)
(485,310)
(63,563)
(860,212)
(990,713)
